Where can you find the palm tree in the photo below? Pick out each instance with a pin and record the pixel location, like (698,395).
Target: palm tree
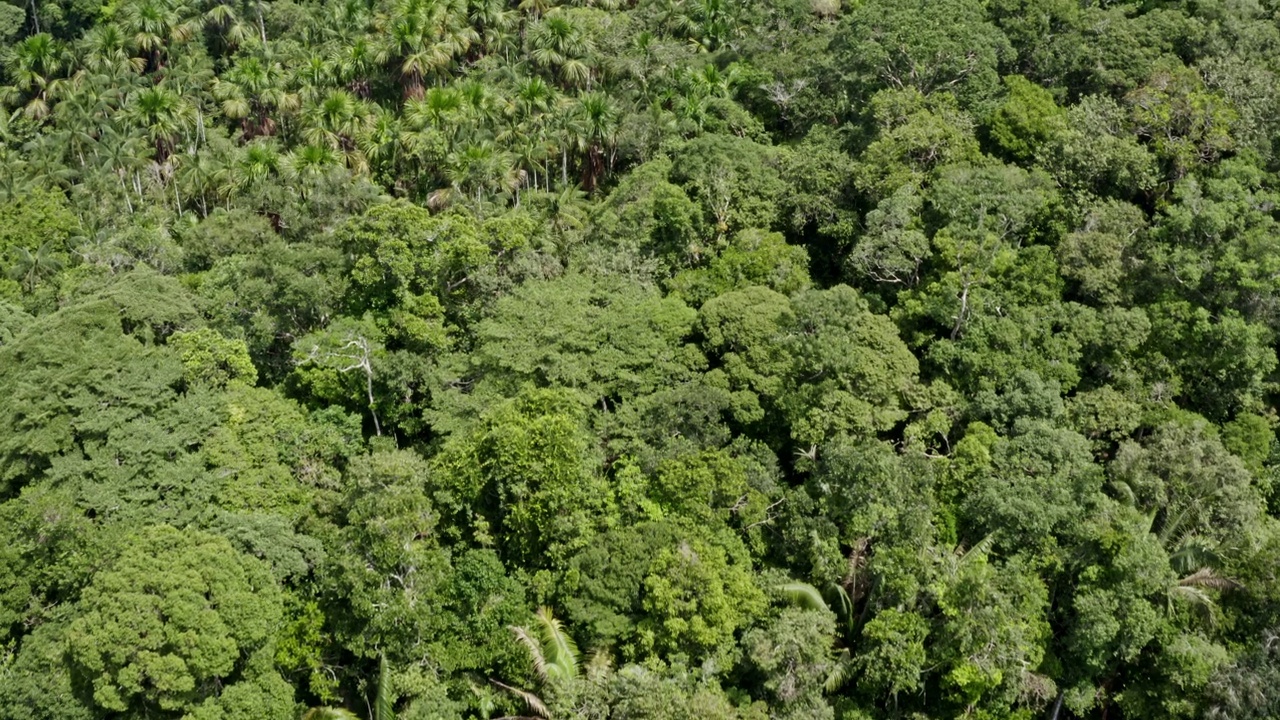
(123,155)
(353,64)
(162,115)
(712,24)
(566,212)
(537,8)
(532,97)
(436,109)
(78,118)
(558,45)
(32,63)
(254,92)
(309,163)
(423,38)
(259,162)
(203,178)
(105,48)
(45,164)
(228,25)
(157,25)
(673,17)
(343,22)
(475,170)
(336,122)
(568,133)
(494,22)
(530,149)
(190,75)
(381,143)
(554,656)
(30,268)
(312,75)
(599,123)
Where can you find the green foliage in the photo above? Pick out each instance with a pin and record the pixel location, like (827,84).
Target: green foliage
(1026,120)
(547,333)
(914,135)
(752,258)
(34,219)
(894,658)
(936,47)
(176,613)
(431,359)
(696,596)
(792,654)
(207,357)
(526,472)
(849,370)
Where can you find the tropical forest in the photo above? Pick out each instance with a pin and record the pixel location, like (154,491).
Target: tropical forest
(639,359)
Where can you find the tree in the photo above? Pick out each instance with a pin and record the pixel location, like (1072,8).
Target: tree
(342,356)
(849,370)
(176,613)
(253,92)
(549,334)
(526,473)
(947,47)
(32,64)
(793,653)
(554,656)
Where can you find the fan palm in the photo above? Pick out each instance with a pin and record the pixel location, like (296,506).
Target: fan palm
(259,162)
(203,178)
(599,125)
(422,38)
(29,268)
(477,169)
(106,48)
(31,64)
(225,22)
(155,26)
(162,115)
(254,91)
(560,46)
(353,64)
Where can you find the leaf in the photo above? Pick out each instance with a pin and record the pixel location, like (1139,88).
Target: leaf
(841,673)
(804,595)
(535,650)
(383,703)
(534,702)
(1206,578)
(562,662)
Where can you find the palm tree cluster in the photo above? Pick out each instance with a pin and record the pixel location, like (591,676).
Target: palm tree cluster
(197,103)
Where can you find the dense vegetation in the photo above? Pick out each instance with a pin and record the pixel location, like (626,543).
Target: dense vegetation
(639,359)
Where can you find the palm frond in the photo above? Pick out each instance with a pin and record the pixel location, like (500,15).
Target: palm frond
(1190,594)
(803,595)
(562,653)
(534,646)
(982,548)
(532,701)
(600,664)
(844,605)
(840,673)
(383,702)
(1205,577)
